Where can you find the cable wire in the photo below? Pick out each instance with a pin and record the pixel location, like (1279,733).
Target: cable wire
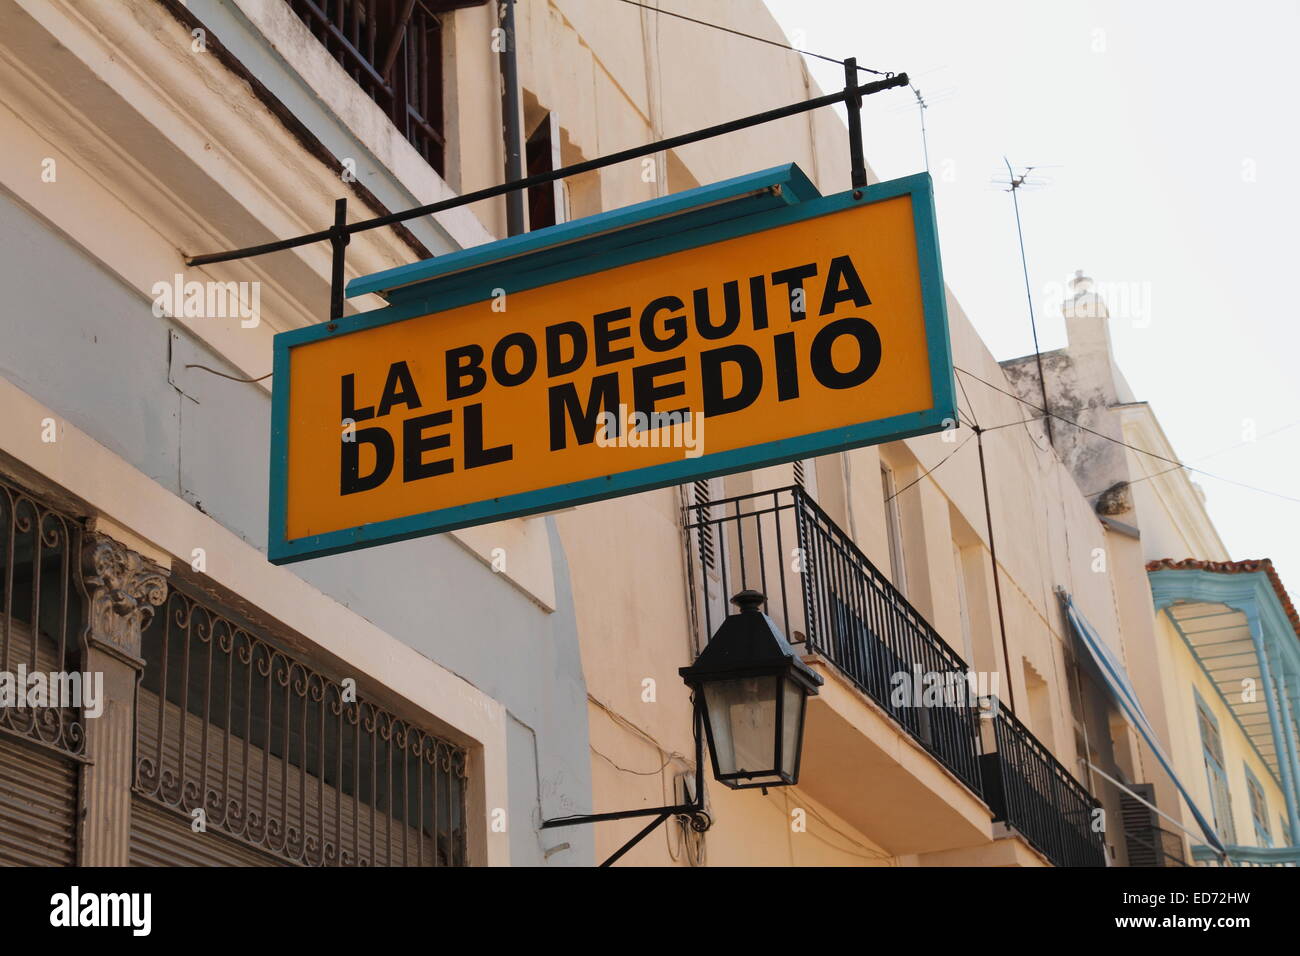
(233,378)
(934,469)
(1118,441)
(750,36)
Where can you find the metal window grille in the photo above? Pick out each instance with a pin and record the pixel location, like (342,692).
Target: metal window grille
(283,758)
(41,617)
(392,49)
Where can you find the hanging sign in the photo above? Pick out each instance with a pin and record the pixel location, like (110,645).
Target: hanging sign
(710,332)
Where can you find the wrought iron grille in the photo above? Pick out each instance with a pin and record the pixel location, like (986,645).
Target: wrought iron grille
(392,49)
(41,621)
(1029,789)
(284,758)
(822,589)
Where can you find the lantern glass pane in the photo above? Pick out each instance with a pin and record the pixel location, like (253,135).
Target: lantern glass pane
(792,697)
(742,716)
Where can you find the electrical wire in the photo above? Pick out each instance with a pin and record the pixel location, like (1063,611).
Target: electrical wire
(750,36)
(233,378)
(1118,441)
(932,470)
(1023,421)
(1241,444)
(640,773)
(969,404)
(1203,458)
(1129,484)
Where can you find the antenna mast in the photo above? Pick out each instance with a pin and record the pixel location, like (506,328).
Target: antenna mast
(1015,183)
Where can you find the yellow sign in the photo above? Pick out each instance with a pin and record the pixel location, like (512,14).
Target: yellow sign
(764,346)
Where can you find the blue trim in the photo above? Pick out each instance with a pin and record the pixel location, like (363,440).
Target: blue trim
(1267,835)
(1125,696)
(793,185)
(1216,770)
(544,267)
(1196,656)
(1209,714)
(1250,592)
(1274,637)
(1257,856)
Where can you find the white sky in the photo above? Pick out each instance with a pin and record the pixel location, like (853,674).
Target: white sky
(1174,131)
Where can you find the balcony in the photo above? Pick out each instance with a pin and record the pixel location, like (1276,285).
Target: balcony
(1028,789)
(854,626)
(393,52)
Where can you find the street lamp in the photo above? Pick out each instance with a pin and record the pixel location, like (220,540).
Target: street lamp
(750,694)
(754,690)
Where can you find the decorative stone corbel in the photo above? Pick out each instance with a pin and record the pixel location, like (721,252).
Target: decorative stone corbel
(123,589)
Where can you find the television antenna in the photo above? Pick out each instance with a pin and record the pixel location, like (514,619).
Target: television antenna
(1015,182)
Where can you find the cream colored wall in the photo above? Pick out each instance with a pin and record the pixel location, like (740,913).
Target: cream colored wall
(1147,667)
(1181,673)
(1174,523)
(161,152)
(617,77)
(1170,506)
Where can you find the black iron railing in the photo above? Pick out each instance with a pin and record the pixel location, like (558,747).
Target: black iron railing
(822,590)
(1029,789)
(828,598)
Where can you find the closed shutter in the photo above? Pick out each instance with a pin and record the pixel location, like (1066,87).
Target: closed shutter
(707,556)
(1141,829)
(38,805)
(38,786)
(161,837)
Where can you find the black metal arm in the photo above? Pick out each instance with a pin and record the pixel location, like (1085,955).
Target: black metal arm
(694,810)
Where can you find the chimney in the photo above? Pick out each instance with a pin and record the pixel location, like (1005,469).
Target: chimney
(1086,317)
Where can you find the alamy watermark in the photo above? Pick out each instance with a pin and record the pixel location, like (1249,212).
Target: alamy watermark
(685,429)
(75,908)
(58,689)
(208,300)
(918,688)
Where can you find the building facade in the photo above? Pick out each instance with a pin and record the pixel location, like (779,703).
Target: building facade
(1214,669)
(433,702)
(353,710)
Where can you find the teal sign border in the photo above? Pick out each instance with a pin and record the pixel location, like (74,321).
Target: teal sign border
(688,220)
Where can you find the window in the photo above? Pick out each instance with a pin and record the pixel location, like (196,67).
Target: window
(393,51)
(41,614)
(893,529)
(1212,747)
(1258,810)
(41,618)
(546,203)
(1040,701)
(293,765)
(963,605)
